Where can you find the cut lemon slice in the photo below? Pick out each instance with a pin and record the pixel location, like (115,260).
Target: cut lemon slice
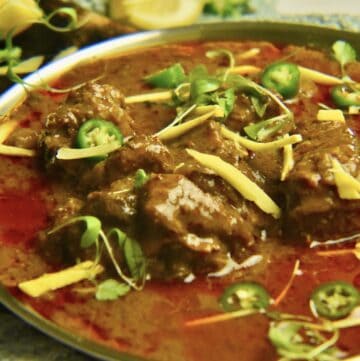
(17,15)
(157,14)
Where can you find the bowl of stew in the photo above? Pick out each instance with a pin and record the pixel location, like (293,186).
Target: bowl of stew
(188,194)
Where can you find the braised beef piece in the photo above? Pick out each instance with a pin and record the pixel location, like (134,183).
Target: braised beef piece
(141,151)
(117,202)
(207,139)
(314,207)
(23,138)
(198,220)
(92,100)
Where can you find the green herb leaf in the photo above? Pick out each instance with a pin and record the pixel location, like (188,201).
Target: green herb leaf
(135,259)
(111,289)
(200,87)
(67,12)
(298,340)
(168,78)
(222,52)
(244,85)
(120,236)
(91,234)
(344,53)
(266,128)
(226,101)
(259,105)
(141,177)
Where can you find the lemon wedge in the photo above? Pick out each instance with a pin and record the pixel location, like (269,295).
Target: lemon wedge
(157,14)
(18,15)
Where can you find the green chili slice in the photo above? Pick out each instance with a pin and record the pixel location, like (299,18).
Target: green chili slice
(167,78)
(346,95)
(282,77)
(245,296)
(96,132)
(336,299)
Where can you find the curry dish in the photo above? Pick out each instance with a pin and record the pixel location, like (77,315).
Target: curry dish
(196,201)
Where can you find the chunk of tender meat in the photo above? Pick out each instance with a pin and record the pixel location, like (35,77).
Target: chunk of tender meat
(314,206)
(197,219)
(117,202)
(93,100)
(207,139)
(144,152)
(24,138)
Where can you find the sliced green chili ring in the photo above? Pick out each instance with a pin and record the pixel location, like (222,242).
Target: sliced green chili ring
(282,77)
(245,296)
(346,95)
(167,78)
(334,300)
(96,132)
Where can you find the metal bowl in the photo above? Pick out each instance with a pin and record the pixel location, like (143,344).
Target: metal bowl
(316,36)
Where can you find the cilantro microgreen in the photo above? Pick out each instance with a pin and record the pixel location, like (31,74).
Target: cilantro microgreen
(167,78)
(220,53)
(344,53)
(111,289)
(68,12)
(135,259)
(264,129)
(119,235)
(92,229)
(259,105)
(11,55)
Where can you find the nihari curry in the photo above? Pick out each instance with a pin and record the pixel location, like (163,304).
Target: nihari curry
(196,201)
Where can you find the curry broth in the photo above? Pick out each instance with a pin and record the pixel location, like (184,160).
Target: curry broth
(151,322)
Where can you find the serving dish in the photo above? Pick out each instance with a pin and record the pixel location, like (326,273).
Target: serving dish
(274,32)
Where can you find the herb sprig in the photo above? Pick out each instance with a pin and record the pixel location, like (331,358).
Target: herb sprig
(134,258)
(10,55)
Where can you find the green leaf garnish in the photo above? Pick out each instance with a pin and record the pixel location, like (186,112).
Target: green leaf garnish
(296,340)
(135,259)
(222,52)
(344,53)
(120,236)
(227,8)
(92,229)
(168,78)
(141,177)
(68,12)
(111,289)
(262,130)
(259,105)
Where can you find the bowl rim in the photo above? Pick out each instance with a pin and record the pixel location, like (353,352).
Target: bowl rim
(251,29)
(240,30)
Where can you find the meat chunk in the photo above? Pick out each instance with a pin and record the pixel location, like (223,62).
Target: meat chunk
(314,207)
(118,202)
(200,221)
(144,152)
(93,100)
